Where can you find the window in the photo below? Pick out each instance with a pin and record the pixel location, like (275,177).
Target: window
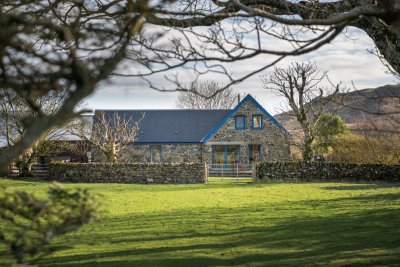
(155,153)
(218,154)
(240,122)
(254,153)
(225,154)
(257,122)
(232,154)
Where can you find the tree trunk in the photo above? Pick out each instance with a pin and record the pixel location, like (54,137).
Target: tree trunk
(385,38)
(25,169)
(307,150)
(25,163)
(112,158)
(112,153)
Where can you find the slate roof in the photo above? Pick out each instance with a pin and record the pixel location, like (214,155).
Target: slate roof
(172,125)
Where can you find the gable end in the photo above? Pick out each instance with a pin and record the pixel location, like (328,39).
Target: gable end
(247,98)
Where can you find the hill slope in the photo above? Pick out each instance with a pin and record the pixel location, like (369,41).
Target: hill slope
(364,110)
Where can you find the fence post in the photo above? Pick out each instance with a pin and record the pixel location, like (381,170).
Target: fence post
(253,172)
(237,173)
(206,171)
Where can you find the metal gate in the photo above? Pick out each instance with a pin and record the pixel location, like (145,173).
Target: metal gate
(230,170)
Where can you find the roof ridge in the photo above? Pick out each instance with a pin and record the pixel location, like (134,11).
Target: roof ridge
(163,109)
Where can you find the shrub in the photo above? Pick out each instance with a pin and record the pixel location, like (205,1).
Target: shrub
(366,149)
(31,223)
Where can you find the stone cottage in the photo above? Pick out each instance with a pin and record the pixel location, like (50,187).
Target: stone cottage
(244,134)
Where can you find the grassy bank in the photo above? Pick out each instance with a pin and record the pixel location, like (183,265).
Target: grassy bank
(234,224)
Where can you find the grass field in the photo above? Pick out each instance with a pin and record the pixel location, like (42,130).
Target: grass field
(234,224)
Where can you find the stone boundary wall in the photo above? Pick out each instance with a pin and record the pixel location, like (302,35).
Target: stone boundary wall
(325,171)
(130,173)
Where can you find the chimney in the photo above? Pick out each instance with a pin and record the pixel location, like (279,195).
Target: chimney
(238,98)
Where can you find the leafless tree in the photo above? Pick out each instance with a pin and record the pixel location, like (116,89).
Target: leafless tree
(109,133)
(298,26)
(300,85)
(15,114)
(12,111)
(74,45)
(48,46)
(206,96)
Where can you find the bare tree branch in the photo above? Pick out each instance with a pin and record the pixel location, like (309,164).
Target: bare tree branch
(48,46)
(202,96)
(109,133)
(299,84)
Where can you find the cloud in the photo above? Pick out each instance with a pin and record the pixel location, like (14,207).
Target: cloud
(347,58)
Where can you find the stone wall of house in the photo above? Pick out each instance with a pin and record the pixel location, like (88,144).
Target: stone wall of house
(325,171)
(179,173)
(274,141)
(171,153)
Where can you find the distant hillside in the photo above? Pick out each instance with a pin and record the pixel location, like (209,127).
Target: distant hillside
(364,110)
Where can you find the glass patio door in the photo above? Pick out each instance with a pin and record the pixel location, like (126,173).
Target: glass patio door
(232,155)
(218,154)
(226,154)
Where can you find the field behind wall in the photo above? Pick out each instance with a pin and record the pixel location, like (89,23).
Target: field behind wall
(229,223)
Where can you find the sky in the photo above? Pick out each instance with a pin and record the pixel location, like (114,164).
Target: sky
(348,60)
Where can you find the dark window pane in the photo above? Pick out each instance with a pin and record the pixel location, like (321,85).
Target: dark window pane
(240,122)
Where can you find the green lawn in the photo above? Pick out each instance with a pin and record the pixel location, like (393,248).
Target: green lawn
(234,224)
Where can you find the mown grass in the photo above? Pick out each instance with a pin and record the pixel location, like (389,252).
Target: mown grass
(234,224)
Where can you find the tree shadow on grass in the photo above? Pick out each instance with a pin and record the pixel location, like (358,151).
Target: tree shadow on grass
(361,186)
(303,242)
(366,238)
(167,187)
(30,180)
(212,184)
